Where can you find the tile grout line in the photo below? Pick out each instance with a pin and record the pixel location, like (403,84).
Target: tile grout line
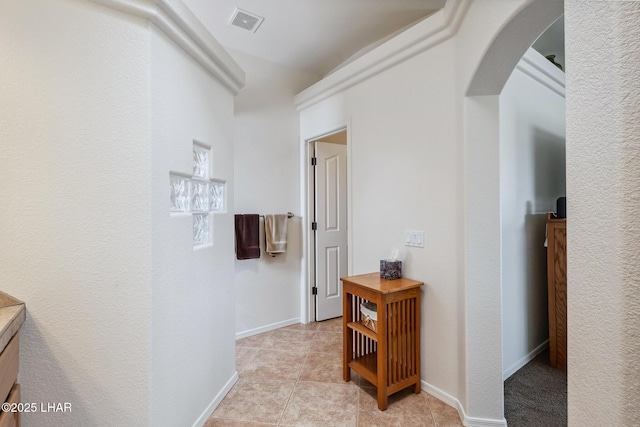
(260,348)
(286,405)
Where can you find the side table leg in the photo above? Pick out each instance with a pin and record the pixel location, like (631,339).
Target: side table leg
(383,349)
(347,336)
(416,351)
(382,398)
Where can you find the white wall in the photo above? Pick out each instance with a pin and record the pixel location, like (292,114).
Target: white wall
(482,292)
(267,180)
(419,140)
(532,177)
(74,216)
(403,176)
(603,225)
(193,342)
(487,55)
(125,320)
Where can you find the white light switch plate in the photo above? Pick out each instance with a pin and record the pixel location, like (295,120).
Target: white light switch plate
(414,238)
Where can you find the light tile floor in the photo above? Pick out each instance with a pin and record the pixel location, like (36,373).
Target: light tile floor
(293,377)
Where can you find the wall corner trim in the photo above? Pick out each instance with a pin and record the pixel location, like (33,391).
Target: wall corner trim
(217,400)
(455,403)
(178,23)
(433,30)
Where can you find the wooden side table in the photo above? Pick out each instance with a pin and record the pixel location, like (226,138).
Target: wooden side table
(389,357)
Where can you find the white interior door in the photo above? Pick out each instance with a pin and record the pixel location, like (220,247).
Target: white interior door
(331,231)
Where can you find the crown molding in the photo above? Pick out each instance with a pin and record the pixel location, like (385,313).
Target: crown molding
(430,32)
(539,68)
(178,23)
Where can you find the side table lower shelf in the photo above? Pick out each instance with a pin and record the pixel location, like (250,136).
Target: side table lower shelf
(366,366)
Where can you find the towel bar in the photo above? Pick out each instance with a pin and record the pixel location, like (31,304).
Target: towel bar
(289,215)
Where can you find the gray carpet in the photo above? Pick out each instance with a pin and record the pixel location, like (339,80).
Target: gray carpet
(536,395)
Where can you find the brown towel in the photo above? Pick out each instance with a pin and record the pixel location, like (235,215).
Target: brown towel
(247,236)
(275,230)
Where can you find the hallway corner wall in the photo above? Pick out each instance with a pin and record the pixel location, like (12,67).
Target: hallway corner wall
(193,344)
(75,245)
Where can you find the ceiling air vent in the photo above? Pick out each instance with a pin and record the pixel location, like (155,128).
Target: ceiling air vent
(245,20)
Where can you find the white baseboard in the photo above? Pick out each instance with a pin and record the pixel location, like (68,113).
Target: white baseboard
(267,328)
(455,403)
(216,401)
(524,360)
(483,422)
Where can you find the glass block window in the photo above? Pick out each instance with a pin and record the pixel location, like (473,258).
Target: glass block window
(216,199)
(201,234)
(198,194)
(200,161)
(179,189)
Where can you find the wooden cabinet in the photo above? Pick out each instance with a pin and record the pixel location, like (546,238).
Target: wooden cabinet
(12,315)
(9,390)
(11,419)
(388,357)
(557,290)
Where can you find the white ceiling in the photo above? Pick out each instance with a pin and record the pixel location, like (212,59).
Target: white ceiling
(312,35)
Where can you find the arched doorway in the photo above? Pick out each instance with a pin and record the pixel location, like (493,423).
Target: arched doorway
(483,331)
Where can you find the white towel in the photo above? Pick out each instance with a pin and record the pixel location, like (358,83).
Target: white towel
(275,230)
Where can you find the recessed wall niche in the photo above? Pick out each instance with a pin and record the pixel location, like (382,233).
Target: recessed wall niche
(198,194)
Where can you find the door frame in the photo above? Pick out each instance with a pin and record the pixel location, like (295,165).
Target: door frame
(307,299)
